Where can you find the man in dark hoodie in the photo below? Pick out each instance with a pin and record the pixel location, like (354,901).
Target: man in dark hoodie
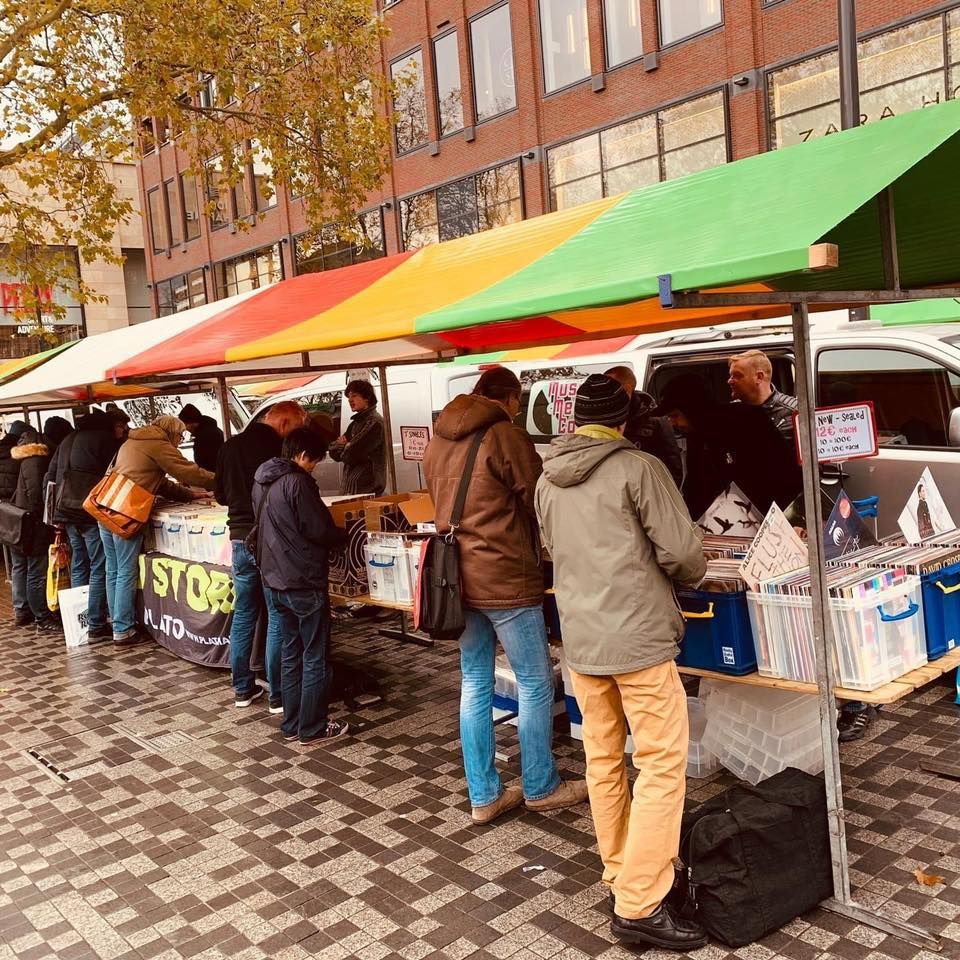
(502,589)
(79,464)
(620,537)
(10,468)
(237,464)
(295,534)
(207,436)
(29,574)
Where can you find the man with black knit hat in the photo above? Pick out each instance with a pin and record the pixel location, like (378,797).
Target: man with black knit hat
(207,436)
(621,537)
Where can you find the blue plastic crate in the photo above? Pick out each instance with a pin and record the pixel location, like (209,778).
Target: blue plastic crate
(718,635)
(941,610)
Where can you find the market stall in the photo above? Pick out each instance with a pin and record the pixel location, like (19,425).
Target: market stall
(847,220)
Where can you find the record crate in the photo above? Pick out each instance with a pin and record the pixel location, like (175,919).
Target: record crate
(718,632)
(877,638)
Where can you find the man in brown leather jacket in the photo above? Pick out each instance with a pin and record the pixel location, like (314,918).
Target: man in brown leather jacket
(503,590)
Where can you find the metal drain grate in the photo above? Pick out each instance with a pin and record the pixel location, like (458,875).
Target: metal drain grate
(159,742)
(47,766)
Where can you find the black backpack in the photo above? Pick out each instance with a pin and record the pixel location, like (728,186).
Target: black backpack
(757,857)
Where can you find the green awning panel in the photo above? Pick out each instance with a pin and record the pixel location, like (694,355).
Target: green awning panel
(916,312)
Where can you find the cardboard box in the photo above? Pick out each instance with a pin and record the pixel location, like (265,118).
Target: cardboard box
(399,512)
(348,567)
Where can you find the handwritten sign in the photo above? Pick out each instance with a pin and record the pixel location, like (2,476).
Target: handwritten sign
(775,549)
(414,442)
(563,398)
(844,433)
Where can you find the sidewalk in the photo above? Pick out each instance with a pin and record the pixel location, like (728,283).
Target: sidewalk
(187,828)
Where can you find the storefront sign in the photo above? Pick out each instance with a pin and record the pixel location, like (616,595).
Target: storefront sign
(187,607)
(414,442)
(844,433)
(15,296)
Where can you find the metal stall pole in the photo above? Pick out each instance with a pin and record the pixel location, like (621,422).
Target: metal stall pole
(388,429)
(849,75)
(224,398)
(823,642)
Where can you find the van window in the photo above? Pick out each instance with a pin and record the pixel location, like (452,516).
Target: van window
(546,405)
(714,372)
(912,395)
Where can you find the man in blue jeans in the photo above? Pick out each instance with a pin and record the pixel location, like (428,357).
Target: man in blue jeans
(502,578)
(237,463)
(294,536)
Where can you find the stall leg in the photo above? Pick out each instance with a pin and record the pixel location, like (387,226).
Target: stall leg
(388,430)
(823,644)
(224,398)
(407,636)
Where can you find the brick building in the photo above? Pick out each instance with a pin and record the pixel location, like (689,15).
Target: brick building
(526,106)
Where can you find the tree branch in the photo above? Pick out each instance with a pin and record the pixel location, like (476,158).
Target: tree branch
(15,38)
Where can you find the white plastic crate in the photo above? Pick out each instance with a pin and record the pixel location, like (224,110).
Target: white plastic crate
(700,762)
(876,639)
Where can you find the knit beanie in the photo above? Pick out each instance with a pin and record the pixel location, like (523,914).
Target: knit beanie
(16,427)
(601,400)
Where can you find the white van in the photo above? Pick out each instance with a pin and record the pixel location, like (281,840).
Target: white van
(912,375)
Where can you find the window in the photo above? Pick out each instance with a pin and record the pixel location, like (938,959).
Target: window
(332,251)
(565,43)
(191,206)
(148,140)
(250,271)
(621,24)
(409,102)
(218,193)
(158,231)
(209,96)
(241,198)
(491,44)
(479,202)
(163,133)
(684,18)
(900,70)
(264,192)
(913,396)
(180,293)
(446,64)
(670,143)
(173,208)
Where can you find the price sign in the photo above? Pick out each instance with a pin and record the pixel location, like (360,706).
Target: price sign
(843,433)
(414,442)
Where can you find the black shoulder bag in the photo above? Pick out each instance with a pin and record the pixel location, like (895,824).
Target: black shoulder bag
(439,610)
(252,540)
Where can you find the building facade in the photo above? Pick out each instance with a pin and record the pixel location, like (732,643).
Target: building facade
(514,108)
(123,294)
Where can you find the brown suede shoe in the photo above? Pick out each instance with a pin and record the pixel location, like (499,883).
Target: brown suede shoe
(568,794)
(510,799)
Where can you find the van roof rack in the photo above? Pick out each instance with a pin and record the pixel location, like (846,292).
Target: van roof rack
(720,334)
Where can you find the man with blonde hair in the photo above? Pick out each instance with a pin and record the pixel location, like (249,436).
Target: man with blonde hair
(237,462)
(751,382)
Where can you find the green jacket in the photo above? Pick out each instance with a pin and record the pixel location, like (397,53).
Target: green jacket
(620,537)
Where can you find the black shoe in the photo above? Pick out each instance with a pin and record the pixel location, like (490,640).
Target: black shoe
(852,726)
(255,694)
(24,619)
(51,625)
(661,929)
(335,728)
(276,706)
(129,640)
(96,634)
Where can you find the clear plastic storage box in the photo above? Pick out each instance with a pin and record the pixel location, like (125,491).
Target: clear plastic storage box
(876,639)
(700,762)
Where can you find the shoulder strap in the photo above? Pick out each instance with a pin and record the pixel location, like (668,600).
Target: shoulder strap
(68,443)
(457,513)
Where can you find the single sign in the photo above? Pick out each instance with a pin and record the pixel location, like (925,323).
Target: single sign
(414,441)
(843,433)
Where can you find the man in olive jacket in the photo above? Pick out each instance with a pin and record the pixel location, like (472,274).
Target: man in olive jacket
(502,578)
(620,537)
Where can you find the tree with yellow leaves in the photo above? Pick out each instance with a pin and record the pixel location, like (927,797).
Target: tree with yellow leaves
(300,79)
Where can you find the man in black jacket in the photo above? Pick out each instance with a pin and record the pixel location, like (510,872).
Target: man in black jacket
(362,449)
(295,534)
(76,468)
(207,436)
(28,576)
(10,468)
(236,465)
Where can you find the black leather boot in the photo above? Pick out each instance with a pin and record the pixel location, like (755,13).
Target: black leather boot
(661,929)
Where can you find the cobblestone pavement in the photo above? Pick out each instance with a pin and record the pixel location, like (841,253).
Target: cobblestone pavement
(188,828)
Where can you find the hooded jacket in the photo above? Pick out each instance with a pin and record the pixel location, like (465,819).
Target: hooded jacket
(363,455)
(10,468)
(653,434)
(87,453)
(295,532)
(33,455)
(150,453)
(207,443)
(500,562)
(620,536)
(237,465)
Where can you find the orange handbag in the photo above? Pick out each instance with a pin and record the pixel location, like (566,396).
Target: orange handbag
(120,504)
